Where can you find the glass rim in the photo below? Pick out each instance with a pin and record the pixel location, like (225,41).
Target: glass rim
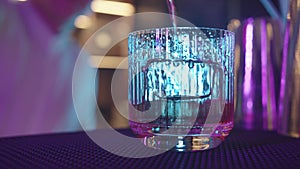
(182,28)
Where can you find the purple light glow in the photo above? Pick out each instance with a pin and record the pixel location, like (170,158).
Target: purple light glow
(264,75)
(248,58)
(36,66)
(249,104)
(272,110)
(283,74)
(248,71)
(269,113)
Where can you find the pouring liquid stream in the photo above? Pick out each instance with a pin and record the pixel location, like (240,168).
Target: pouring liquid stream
(172,12)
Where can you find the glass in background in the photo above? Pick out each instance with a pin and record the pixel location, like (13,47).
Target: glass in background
(257,66)
(289,99)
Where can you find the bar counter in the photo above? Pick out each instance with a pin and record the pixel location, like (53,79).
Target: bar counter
(242,149)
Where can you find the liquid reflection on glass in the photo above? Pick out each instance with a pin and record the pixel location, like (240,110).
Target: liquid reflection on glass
(181,87)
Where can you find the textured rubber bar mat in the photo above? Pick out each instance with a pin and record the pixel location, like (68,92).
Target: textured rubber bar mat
(241,150)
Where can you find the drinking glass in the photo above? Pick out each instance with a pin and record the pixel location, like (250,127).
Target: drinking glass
(180,90)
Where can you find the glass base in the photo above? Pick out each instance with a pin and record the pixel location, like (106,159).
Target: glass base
(182,144)
(196,138)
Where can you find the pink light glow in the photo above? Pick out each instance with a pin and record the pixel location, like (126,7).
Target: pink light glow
(248,57)
(249,104)
(248,71)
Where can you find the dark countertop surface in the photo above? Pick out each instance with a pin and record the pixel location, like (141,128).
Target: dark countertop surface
(242,149)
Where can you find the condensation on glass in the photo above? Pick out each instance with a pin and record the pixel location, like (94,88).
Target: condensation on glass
(181,86)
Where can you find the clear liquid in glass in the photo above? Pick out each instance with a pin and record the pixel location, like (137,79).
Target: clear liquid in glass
(175,98)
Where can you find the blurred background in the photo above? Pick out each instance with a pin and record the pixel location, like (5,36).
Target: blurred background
(41,39)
